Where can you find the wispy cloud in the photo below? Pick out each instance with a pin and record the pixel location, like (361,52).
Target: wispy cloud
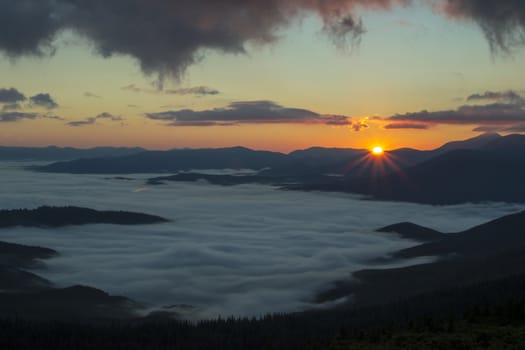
(417,126)
(11,107)
(43,100)
(505,110)
(8,117)
(93,120)
(91,95)
(196,90)
(248,112)
(498,96)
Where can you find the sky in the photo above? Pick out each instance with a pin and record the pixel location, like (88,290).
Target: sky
(276,75)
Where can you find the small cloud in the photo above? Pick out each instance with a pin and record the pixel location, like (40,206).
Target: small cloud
(360,125)
(9,117)
(93,120)
(88,121)
(498,96)
(247,112)
(196,90)
(91,95)
(43,100)
(517,128)
(11,107)
(109,117)
(416,126)
(11,96)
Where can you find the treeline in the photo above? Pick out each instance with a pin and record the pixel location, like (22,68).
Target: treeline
(486,326)
(46,216)
(498,304)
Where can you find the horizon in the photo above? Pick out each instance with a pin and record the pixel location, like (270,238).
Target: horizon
(370,148)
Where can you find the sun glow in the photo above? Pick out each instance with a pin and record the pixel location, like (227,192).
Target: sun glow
(377,151)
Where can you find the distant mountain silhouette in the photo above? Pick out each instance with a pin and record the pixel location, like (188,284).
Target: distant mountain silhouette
(493,173)
(53,153)
(171,161)
(312,161)
(64,216)
(477,142)
(489,167)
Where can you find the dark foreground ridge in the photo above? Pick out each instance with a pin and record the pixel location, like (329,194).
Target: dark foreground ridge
(64,216)
(483,253)
(412,231)
(26,295)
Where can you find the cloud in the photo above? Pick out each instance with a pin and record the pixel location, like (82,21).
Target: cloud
(498,96)
(43,100)
(11,95)
(517,128)
(93,120)
(11,107)
(91,95)
(167,36)
(417,126)
(496,113)
(197,90)
(8,117)
(247,112)
(502,21)
(241,250)
(182,31)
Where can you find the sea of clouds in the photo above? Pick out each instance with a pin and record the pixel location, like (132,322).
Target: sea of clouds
(243,250)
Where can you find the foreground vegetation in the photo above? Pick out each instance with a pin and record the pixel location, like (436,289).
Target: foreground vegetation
(495,319)
(500,327)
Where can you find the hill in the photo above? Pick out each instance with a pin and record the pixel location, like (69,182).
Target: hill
(63,216)
(487,252)
(53,153)
(170,161)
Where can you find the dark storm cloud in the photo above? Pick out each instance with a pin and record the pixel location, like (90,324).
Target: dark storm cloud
(93,120)
(496,113)
(196,90)
(43,100)
(251,112)
(29,26)
(502,21)
(166,36)
(416,126)
(498,96)
(11,95)
(8,117)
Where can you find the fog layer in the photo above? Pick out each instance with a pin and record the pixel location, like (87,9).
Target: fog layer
(243,250)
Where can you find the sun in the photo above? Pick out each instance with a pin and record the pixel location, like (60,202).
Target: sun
(378,151)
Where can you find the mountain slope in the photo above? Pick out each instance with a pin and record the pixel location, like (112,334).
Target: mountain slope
(171,161)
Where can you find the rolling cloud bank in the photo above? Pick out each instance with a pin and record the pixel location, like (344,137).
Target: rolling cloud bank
(243,250)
